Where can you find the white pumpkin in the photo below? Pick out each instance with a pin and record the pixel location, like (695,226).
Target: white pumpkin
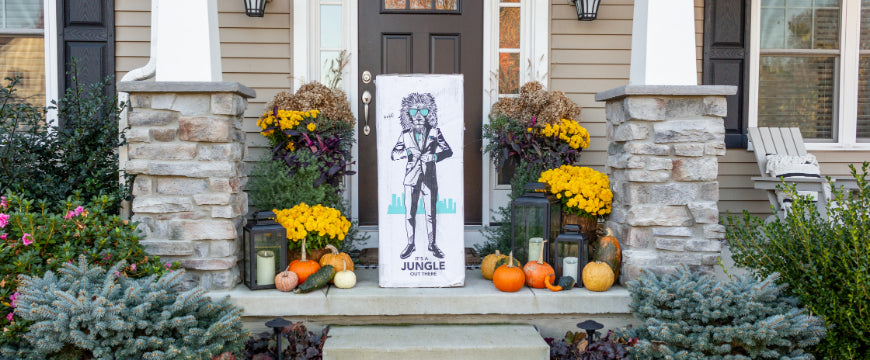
(344,279)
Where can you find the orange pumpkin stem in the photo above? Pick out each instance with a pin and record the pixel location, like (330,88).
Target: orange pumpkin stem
(332,249)
(303,250)
(609,233)
(511,260)
(343,261)
(541,255)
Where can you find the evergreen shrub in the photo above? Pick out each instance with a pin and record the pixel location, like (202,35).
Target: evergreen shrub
(52,162)
(86,312)
(825,262)
(688,315)
(35,239)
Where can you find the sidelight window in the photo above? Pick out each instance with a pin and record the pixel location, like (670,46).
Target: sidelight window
(22,48)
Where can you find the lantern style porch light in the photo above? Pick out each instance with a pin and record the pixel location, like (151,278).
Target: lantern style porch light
(568,252)
(587,10)
(278,325)
(255,8)
(535,221)
(265,248)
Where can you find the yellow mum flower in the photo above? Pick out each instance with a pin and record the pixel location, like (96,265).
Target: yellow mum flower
(312,126)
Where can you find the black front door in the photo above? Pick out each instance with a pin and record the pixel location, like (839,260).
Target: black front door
(430,37)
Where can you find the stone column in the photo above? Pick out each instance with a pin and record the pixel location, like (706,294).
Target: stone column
(186,146)
(662,159)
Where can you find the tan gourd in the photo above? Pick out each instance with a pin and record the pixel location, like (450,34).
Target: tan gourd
(286,281)
(487,266)
(598,276)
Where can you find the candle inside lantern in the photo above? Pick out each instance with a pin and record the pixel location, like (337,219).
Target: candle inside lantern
(535,245)
(569,267)
(265,267)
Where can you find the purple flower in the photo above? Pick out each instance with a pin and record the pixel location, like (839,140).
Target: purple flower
(4,220)
(79,210)
(3,237)
(69,215)
(12,299)
(534,120)
(132,267)
(9,316)
(27,239)
(3,203)
(167,266)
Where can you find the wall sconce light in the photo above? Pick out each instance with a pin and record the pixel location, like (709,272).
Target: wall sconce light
(255,8)
(587,10)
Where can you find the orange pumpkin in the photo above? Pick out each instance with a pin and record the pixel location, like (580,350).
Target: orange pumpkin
(537,271)
(338,260)
(303,267)
(508,278)
(609,251)
(286,281)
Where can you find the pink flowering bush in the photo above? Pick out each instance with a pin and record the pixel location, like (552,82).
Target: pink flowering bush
(35,239)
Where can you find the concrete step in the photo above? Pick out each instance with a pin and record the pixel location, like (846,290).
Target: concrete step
(434,342)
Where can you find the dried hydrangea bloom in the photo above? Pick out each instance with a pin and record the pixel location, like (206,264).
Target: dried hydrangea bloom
(547,107)
(332,103)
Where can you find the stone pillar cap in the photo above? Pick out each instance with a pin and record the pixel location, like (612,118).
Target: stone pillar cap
(186,87)
(666,90)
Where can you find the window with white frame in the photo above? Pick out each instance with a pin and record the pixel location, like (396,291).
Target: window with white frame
(331,54)
(811,59)
(22,48)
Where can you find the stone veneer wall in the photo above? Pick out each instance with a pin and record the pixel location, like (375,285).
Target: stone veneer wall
(186,147)
(663,166)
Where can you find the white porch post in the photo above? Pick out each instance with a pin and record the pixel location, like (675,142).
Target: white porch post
(189,45)
(663,43)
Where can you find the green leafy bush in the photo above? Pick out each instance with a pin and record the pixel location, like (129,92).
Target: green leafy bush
(87,312)
(35,239)
(826,262)
(687,315)
(51,162)
(271,187)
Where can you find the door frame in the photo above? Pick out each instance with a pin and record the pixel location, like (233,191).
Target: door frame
(535,44)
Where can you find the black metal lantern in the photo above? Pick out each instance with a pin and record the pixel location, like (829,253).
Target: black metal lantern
(535,220)
(568,252)
(265,249)
(255,8)
(587,10)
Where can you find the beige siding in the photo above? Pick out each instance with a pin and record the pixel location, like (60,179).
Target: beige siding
(256,51)
(588,57)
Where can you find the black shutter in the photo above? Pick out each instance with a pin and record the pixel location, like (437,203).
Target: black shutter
(726,61)
(86,33)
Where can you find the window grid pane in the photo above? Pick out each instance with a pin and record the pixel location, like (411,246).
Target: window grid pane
(25,57)
(21,14)
(800,25)
(863,131)
(798,91)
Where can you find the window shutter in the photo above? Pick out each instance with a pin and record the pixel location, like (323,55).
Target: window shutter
(726,61)
(87,33)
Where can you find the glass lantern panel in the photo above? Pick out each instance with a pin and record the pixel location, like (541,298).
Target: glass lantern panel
(528,226)
(555,219)
(267,250)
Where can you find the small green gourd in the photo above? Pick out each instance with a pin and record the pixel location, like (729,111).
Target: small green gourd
(567,282)
(317,280)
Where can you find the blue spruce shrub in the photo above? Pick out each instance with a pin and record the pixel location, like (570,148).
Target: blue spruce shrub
(87,312)
(687,315)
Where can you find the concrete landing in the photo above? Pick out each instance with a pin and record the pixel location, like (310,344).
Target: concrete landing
(433,342)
